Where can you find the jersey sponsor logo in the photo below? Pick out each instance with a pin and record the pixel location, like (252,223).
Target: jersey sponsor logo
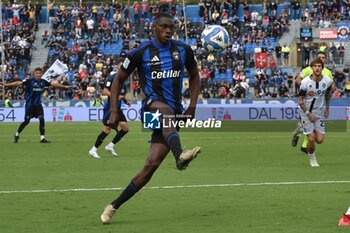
(165,74)
(320,92)
(126,63)
(37,89)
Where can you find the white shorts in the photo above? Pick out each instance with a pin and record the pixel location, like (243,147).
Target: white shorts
(310,127)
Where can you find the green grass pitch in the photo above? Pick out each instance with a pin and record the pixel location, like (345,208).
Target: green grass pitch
(194,201)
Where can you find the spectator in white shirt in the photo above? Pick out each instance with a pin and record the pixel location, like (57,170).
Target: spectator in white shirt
(235,47)
(254,15)
(90,23)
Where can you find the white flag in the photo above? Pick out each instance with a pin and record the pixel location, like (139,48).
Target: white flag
(56,69)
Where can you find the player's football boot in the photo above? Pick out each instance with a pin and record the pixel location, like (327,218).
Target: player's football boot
(186,157)
(295,140)
(344,221)
(107,214)
(15,138)
(94,154)
(313,161)
(44,141)
(304,149)
(111,151)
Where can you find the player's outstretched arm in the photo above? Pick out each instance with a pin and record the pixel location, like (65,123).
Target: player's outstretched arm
(55,84)
(114,95)
(194,85)
(13,84)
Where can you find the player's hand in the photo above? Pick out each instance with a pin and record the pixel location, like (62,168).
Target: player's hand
(326,113)
(113,119)
(311,117)
(190,112)
(129,104)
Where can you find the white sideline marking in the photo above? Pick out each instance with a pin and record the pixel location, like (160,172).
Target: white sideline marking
(176,186)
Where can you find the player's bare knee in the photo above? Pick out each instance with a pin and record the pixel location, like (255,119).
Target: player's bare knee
(107,130)
(319,140)
(311,137)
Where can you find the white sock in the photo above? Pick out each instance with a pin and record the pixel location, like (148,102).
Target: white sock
(42,137)
(94,149)
(16,134)
(311,155)
(348,212)
(111,144)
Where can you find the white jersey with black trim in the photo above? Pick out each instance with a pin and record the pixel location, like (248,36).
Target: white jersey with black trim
(315,93)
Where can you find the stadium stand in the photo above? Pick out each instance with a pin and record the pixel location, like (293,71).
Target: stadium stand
(91,39)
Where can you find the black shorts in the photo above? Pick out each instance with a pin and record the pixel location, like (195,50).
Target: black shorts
(107,113)
(157,137)
(34,111)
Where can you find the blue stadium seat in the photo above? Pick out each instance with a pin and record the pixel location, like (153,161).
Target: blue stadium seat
(51,53)
(229,75)
(196,19)
(108,47)
(114,46)
(249,48)
(100,47)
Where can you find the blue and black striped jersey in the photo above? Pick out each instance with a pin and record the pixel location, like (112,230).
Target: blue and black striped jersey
(108,85)
(161,70)
(34,89)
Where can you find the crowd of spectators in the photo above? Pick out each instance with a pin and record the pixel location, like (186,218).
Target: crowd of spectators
(20,23)
(93,38)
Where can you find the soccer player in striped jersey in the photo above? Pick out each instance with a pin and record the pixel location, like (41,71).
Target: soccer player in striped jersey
(303,74)
(160,64)
(122,123)
(314,89)
(34,86)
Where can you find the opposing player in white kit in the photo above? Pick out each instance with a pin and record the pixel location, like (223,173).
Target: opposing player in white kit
(314,89)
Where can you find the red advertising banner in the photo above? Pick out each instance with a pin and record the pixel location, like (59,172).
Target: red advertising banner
(328,34)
